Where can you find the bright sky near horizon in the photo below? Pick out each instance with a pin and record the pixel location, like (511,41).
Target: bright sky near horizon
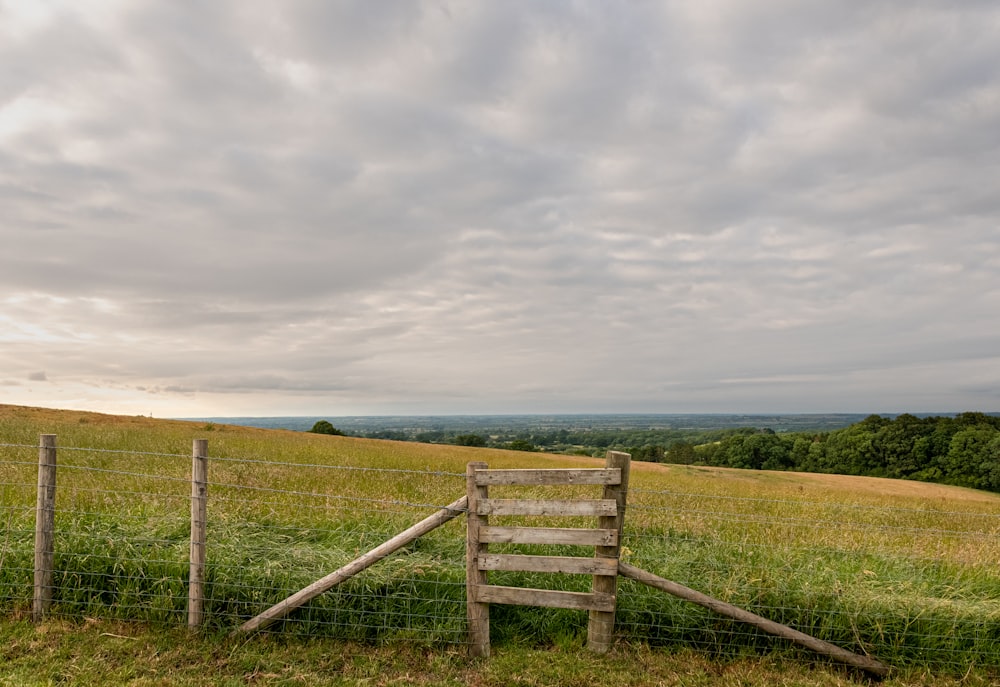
(303,207)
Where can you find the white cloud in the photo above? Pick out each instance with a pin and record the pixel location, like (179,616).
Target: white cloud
(301,207)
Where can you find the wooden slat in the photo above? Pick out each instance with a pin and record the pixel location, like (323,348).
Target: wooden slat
(549,476)
(545,598)
(554,507)
(547,535)
(552,564)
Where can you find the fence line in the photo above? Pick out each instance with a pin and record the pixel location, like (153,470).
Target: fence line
(122,550)
(353,468)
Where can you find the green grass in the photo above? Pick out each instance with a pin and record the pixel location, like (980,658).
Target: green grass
(905,571)
(102,652)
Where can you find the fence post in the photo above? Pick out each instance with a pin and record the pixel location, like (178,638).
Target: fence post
(45,525)
(478,613)
(199,516)
(601,625)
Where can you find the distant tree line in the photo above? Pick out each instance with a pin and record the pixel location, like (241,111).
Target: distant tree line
(652,444)
(963,450)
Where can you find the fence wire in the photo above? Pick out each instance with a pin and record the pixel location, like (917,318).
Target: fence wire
(912,585)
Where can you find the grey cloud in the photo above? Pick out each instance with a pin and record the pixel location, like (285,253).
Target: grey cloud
(173,389)
(348,31)
(487,205)
(82,50)
(258,383)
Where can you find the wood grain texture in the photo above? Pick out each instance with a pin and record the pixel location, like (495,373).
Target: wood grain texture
(477,613)
(530,477)
(601,624)
(550,507)
(45,526)
(549,564)
(548,535)
(199,526)
(546,598)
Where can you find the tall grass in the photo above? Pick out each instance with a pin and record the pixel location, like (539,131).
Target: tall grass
(908,572)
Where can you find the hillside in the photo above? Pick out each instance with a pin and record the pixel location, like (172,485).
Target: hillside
(905,571)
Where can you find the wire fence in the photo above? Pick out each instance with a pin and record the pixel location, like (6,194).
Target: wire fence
(914,584)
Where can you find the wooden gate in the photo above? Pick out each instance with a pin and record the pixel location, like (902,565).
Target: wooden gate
(605,538)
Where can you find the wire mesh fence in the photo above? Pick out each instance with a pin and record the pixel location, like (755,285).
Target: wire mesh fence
(914,584)
(123,529)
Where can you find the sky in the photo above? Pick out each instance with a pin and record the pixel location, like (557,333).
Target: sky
(309,207)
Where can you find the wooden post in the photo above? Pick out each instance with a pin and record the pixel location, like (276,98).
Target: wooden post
(478,613)
(199,517)
(601,625)
(280,610)
(45,525)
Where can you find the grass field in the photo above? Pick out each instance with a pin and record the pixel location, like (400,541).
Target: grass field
(93,652)
(905,571)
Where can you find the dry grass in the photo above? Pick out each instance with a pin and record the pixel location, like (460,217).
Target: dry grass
(905,569)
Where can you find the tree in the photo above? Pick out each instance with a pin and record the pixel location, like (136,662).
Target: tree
(521,445)
(851,451)
(681,453)
(759,451)
(650,454)
(895,445)
(989,468)
(970,460)
(324,427)
(470,440)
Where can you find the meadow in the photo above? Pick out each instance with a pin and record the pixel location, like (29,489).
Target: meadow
(904,571)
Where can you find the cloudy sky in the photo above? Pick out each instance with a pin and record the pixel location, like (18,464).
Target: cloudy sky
(307,207)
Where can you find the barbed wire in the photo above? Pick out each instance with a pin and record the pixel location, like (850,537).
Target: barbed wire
(125,473)
(123,451)
(33,464)
(354,499)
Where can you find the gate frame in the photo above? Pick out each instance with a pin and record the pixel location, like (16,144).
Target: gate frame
(606,539)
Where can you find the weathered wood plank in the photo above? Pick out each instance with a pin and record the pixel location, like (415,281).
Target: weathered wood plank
(547,535)
(548,476)
(549,564)
(546,598)
(554,507)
